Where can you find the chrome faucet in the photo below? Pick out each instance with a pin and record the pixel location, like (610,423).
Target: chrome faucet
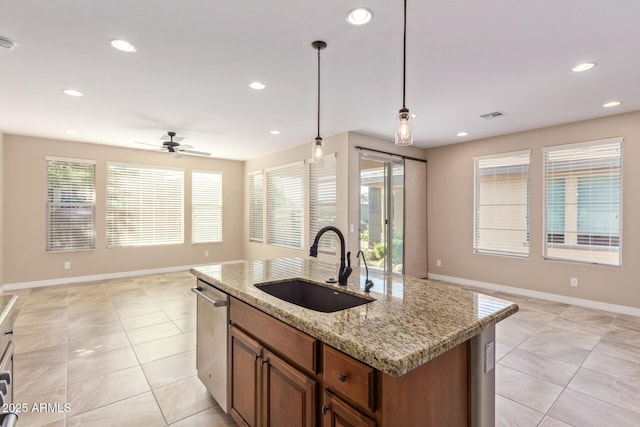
(345,270)
(368,284)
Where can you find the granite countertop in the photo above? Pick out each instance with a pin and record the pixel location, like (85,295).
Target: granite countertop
(410,322)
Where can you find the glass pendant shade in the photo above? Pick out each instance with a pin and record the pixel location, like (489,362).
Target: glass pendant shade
(317,151)
(404,131)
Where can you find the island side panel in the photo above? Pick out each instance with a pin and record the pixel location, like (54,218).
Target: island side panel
(434,394)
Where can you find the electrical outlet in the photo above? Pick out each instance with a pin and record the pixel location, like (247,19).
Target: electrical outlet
(489,356)
(574,282)
(67,265)
(206,253)
(438,263)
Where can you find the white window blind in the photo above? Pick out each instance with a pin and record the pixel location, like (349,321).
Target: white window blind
(285,206)
(256,207)
(144,205)
(501,223)
(206,207)
(70,204)
(322,201)
(583,202)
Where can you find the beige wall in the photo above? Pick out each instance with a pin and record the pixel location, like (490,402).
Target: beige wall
(348,190)
(450,215)
(24,218)
(336,144)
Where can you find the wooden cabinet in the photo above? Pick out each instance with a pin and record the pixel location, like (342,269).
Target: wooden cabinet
(244,374)
(336,413)
(289,396)
(266,390)
(276,379)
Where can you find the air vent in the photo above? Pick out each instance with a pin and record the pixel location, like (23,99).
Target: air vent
(491,116)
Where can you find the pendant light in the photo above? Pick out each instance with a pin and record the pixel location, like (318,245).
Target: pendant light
(404,133)
(317,150)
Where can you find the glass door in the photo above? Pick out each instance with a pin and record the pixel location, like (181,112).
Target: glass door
(382,211)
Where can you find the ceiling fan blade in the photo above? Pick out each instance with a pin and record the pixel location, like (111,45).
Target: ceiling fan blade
(146,143)
(183,147)
(197,153)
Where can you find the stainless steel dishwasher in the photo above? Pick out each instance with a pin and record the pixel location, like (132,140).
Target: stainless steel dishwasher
(212,340)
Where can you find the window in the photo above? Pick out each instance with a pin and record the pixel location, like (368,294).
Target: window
(285,206)
(322,201)
(70,204)
(583,202)
(501,223)
(206,207)
(144,205)
(256,207)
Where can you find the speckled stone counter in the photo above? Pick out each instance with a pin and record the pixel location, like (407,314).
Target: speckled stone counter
(410,322)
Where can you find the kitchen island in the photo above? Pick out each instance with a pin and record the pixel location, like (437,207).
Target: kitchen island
(414,335)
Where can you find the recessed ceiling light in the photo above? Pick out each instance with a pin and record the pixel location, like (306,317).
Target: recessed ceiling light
(72,92)
(275,132)
(611,104)
(583,67)
(7,43)
(257,85)
(462,134)
(414,115)
(71,132)
(123,45)
(359,16)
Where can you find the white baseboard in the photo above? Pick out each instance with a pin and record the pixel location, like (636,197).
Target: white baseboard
(615,308)
(97,277)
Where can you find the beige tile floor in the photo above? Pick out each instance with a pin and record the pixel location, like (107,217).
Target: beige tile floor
(119,352)
(122,352)
(563,365)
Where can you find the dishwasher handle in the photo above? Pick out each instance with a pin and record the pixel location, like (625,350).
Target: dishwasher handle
(9,419)
(216,303)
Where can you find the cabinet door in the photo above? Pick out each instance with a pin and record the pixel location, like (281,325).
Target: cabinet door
(289,396)
(337,413)
(244,369)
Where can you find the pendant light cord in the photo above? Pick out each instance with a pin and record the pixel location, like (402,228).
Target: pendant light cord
(404,57)
(319,93)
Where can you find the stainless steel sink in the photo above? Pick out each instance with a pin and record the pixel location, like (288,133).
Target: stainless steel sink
(312,296)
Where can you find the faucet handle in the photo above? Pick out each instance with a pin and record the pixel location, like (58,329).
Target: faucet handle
(368,284)
(349,259)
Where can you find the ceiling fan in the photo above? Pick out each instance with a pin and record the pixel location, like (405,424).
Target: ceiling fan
(174,147)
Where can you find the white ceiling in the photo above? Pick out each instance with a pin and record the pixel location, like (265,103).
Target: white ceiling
(196,58)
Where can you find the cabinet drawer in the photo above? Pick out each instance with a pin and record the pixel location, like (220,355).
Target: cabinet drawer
(349,378)
(282,339)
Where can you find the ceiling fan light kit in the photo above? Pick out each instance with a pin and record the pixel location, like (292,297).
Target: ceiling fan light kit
(404,131)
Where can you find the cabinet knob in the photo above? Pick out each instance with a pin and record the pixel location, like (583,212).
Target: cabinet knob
(324,410)
(342,378)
